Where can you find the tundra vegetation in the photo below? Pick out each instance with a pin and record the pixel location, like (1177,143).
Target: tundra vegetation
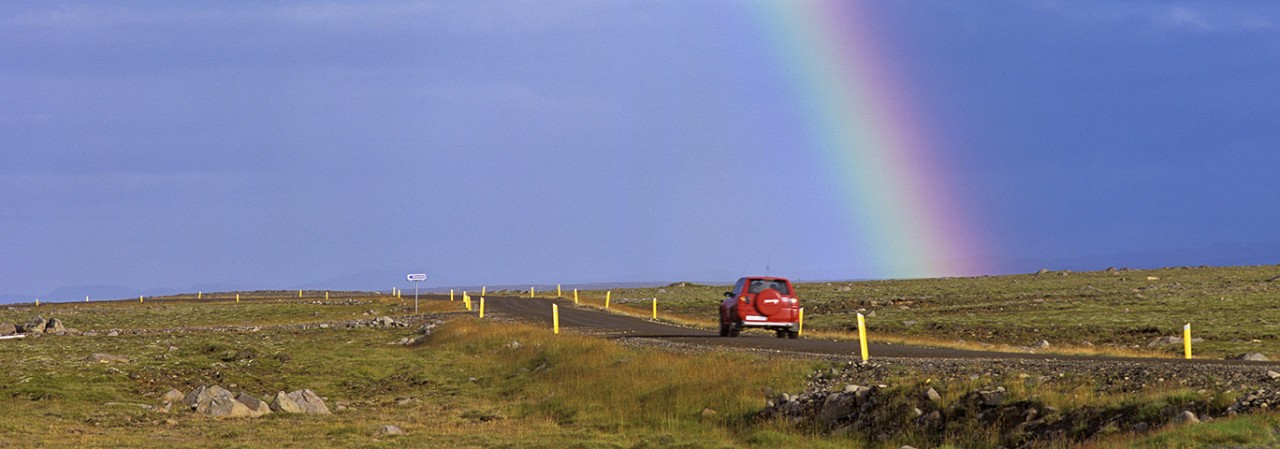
(498,383)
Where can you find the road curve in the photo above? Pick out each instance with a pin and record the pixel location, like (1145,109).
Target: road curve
(573,317)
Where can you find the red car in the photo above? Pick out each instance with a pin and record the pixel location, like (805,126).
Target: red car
(765,302)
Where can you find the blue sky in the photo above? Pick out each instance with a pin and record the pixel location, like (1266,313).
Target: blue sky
(154,147)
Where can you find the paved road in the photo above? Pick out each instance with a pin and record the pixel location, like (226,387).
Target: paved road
(620,326)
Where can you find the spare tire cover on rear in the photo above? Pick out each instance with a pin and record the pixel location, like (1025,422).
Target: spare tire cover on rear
(768,301)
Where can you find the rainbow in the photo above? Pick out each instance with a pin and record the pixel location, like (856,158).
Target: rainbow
(906,214)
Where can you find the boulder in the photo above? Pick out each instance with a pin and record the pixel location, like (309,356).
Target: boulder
(203,395)
(173,396)
(223,407)
(1186,417)
(54,325)
(8,329)
(310,402)
(256,406)
(1256,357)
(282,403)
(35,325)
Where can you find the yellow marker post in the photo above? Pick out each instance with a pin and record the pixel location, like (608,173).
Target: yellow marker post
(37,302)
(299,293)
(558,290)
(481,307)
(139,298)
(482,289)
(555,319)
(575,296)
(86,298)
(607,294)
(655,308)
(199,295)
(326,295)
(237,297)
(862,335)
(530,292)
(800,331)
(466,299)
(451,294)
(1186,340)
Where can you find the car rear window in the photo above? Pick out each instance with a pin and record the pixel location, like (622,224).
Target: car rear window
(759,285)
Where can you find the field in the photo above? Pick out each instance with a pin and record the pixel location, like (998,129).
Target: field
(498,383)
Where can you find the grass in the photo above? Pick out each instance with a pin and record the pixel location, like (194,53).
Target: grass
(471,386)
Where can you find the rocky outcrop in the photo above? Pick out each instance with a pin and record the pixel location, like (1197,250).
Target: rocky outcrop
(217,402)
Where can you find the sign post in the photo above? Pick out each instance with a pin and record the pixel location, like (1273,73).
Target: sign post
(416,279)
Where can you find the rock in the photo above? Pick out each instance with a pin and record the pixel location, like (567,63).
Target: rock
(256,406)
(992,398)
(836,406)
(389,430)
(223,407)
(513,345)
(113,334)
(1255,357)
(35,325)
(282,403)
(8,329)
(173,396)
(105,358)
(1043,344)
(1141,427)
(204,395)
(1043,271)
(932,395)
(846,289)
(1186,417)
(310,402)
(54,326)
(1273,375)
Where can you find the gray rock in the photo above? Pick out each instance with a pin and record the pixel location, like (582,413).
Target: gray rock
(1273,375)
(8,329)
(836,406)
(933,395)
(204,395)
(1256,357)
(310,402)
(1043,344)
(223,407)
(256,406)
(54,325)
(282,403)
(992,398)
(389,430)
(105,358)
(35,325)
(1186,417)
(173,396)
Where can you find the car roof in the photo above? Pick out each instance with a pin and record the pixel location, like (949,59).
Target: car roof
(765,278)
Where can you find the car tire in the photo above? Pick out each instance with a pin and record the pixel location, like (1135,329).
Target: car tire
(734,331)
(781,333)
(724,329)
(793,335)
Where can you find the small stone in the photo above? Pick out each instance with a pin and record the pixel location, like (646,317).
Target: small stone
(1043,344)
(1273,375)
(105,358)
(933,395)
(708,412)
(113,334)
(1186,417)
(389,430)
(173,396)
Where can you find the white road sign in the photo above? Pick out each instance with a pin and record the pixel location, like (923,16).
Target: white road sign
(417,277)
